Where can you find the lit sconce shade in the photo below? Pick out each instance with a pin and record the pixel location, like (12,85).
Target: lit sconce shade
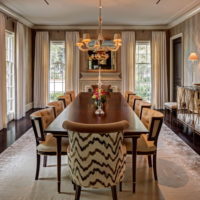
(86,38)
(193,57)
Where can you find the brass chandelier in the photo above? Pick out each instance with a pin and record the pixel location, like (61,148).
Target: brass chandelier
(98,46)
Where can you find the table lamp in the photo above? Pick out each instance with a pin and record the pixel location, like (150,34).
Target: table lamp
(193,57)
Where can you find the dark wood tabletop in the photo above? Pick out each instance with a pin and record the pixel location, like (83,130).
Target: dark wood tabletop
(82,110)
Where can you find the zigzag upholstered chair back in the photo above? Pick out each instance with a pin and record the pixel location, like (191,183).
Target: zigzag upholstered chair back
(97,154)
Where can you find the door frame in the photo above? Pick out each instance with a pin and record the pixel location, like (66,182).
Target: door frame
(180,35)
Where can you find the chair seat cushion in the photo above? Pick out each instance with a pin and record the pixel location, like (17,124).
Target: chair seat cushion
(172,105)
(143,145)
(50,144)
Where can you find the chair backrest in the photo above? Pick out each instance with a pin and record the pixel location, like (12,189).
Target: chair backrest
(40,121)
(132,100)
(152,120)
(66,99)
(139,106)
(128,94)
(72,95)
(58,106)
(97,155)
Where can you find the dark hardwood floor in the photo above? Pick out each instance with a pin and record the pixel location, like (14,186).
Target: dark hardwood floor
(17,128)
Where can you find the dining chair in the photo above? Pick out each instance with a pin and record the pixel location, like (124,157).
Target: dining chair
(140,105)
(58,106)
(45,143)
(72,94)
(96,155)
(147,143)
(128,94)
(67,99)
(132,100)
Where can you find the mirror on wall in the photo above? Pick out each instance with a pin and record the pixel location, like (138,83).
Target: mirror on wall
(108,64)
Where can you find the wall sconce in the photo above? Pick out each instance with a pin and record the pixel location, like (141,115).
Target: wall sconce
(193,57)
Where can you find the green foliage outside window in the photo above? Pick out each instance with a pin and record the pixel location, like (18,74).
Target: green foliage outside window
(143,70)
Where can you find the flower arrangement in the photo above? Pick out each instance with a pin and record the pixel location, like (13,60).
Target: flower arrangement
(99,95)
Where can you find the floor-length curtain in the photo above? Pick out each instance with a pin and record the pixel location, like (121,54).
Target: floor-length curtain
(41,69)
(159,69)
(128,61)
(72,62)
(21,64)
(3,112)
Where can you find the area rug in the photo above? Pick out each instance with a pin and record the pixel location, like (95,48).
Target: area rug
(178,174)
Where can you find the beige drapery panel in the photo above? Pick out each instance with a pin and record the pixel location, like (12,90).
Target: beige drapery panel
(41,69)
(72,62)
(21,64)
(3,113)
(159,70)
(128,61)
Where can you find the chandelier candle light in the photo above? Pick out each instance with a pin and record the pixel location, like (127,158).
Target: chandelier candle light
(98,46)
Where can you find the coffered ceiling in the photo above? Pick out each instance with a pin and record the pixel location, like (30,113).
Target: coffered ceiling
(115,12)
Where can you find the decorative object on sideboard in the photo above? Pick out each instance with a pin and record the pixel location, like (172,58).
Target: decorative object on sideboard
(98,45)
(193,57)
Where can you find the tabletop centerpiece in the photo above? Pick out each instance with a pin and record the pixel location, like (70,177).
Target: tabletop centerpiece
(99,96)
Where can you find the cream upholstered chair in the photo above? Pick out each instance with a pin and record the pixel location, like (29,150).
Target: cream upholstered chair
(140,105)
(96,155)
(67,99)
(128,94)
(58,106)
(132,100)
(72,95)
(45,144)
(147,143)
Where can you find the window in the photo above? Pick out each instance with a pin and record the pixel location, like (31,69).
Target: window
(10,75)
(57,70)
(143,70)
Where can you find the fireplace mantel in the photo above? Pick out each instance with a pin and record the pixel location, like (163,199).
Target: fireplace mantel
(90,78)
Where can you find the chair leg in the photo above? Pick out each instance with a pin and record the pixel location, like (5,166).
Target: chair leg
(120,186)
(78,192)
(155,167)
(149,161)
(45,161)
(114,192)
(37,167)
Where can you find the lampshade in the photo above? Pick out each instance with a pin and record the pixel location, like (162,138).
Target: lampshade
(86,37)
(193,56)
(117,38)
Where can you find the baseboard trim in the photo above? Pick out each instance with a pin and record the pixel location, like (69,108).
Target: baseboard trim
(29,106)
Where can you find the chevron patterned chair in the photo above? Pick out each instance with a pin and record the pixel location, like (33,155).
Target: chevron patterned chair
(147,143)
(45,143)
(96,155)
(58,106)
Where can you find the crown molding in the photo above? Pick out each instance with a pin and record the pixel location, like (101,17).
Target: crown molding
(16,16)
(63,27)
(26,22)
(185,16)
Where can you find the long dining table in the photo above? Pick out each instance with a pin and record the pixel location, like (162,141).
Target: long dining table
(82,110)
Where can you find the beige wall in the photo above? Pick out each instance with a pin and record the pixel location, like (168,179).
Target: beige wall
(191,37)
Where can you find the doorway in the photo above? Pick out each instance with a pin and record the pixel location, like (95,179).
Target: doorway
(176,66)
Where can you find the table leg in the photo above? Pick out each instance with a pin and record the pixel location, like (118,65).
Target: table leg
(134,156)
(59,139)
